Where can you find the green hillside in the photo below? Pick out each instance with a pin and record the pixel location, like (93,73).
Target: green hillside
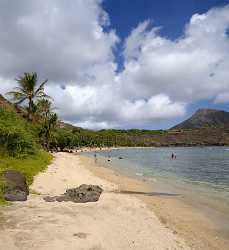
(205,118)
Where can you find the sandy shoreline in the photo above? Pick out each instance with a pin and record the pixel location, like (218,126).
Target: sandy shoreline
(181,217)
(116,221)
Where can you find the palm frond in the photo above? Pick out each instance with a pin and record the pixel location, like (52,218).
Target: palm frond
(21,101)
(41,87)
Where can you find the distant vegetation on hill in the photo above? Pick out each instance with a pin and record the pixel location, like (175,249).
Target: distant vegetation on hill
(66,136)
(205,118)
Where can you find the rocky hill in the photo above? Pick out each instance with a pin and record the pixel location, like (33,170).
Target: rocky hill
(205,118)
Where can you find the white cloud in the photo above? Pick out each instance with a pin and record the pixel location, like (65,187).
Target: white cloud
(66,42)
(191,68)
(61,40)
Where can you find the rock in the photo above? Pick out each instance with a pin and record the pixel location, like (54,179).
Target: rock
(16,188)
(49,199)
(15,195)
(82,194)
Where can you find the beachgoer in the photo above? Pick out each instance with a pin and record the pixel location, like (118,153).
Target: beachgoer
(95,157)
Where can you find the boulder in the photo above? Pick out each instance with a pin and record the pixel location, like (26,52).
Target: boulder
(16,188)
(82,194)
(15,195)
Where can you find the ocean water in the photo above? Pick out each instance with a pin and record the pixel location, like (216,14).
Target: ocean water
(198,175)
(197,165)
(197,170)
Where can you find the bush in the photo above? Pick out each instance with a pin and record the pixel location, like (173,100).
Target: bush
(16,137)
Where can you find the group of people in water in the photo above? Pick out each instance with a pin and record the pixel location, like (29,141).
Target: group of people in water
(95,157)
(173,156)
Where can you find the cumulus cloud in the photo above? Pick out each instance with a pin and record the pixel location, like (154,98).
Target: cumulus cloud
(61,40)
(190,68)
(105,107)
(71,44)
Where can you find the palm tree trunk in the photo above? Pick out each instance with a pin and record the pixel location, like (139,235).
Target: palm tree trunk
(30,109)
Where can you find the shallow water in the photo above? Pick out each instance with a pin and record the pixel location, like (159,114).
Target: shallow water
(200,175)
(204,166)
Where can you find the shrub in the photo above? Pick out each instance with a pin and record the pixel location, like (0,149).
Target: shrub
(16,137)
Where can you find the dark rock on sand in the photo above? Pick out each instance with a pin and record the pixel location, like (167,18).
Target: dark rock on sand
(50,199)
(82,194)
(16,188)
(15,195)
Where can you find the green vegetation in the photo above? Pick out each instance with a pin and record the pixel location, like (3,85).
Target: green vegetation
(70,137)
(205,118)
(29,166)
(27,91)
(21,139)
(19,148)
(16,136)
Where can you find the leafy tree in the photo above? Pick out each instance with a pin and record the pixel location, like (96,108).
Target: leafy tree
(28,91)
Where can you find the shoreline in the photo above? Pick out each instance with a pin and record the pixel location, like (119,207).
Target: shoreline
(94,149)
(176,214)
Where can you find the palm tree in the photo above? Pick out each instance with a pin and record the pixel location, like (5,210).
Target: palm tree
(27,91)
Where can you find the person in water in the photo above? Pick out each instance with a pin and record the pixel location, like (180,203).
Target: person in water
(95,156)
(173,156)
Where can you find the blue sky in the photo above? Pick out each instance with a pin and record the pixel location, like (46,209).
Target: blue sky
(172,16)
(120,63)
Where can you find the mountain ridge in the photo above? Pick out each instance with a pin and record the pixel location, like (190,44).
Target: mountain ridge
(205,117)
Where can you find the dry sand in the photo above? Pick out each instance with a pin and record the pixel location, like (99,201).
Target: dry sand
(116,221)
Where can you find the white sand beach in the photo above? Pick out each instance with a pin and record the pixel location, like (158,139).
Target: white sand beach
(116,221)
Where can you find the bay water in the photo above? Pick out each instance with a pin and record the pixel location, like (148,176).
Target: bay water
(200,175)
